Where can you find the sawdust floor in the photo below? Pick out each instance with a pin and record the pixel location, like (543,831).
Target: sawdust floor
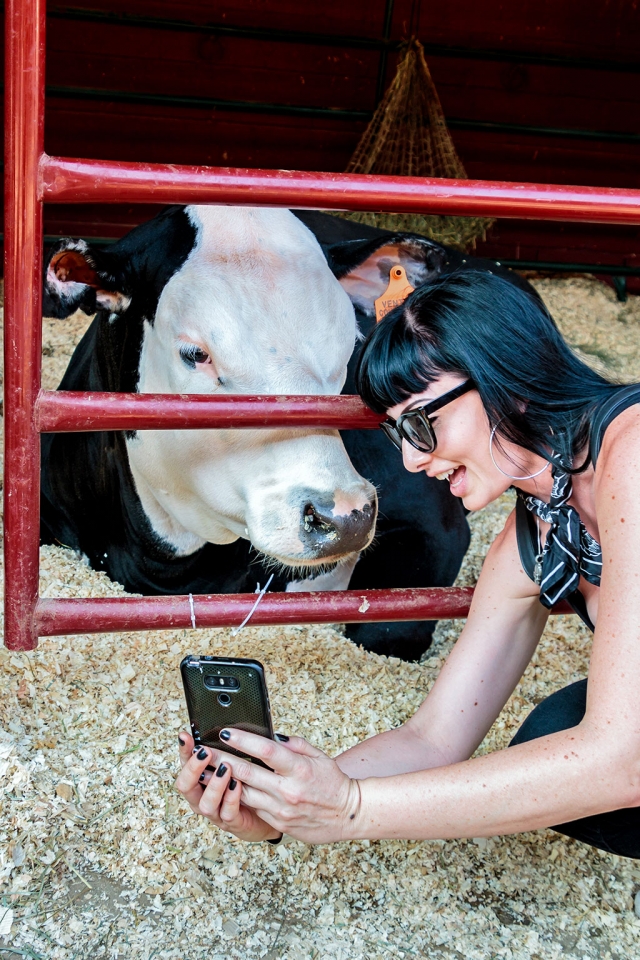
(100,858)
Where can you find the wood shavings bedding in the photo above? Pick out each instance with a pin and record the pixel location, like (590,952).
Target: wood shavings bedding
(100,858)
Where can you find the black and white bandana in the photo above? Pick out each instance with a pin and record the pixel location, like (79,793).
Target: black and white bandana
(569,551)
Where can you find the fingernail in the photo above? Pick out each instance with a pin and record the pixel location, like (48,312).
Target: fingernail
(222,769)
(283,737)
(225,735)
(202,754)
(233,784)
(181,741)
(201,777)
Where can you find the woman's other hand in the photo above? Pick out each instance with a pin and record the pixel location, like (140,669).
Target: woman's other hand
(304,794)
(215,794)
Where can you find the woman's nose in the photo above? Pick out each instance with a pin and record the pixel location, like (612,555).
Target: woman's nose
(414,460)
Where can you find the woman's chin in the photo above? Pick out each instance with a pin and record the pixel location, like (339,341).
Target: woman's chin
(474,489)
(474,499)
(470,503)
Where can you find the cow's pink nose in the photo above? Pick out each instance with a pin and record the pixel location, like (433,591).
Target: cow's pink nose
(327,535)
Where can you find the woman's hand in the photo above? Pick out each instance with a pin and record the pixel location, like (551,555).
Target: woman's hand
(215,795)
(304,794)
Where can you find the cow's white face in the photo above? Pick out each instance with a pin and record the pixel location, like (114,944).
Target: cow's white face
(254,309)
(240,300)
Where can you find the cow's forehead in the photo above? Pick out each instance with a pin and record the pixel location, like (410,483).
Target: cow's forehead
(262,267)
(233,233)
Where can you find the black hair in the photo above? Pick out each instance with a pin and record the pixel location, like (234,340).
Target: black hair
(502,338)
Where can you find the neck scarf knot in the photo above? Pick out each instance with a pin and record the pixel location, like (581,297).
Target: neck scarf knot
(569,550)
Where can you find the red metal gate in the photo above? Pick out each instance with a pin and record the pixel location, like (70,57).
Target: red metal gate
(31,178)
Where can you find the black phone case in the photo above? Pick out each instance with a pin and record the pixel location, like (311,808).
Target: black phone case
(249,708)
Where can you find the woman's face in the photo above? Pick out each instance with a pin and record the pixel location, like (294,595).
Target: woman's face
(462,456)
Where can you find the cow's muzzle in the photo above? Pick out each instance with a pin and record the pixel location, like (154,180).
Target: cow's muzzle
(327,535)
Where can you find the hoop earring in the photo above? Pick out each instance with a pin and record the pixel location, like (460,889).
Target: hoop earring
(499,469)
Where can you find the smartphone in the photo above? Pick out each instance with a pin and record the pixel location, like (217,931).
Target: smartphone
(226,692)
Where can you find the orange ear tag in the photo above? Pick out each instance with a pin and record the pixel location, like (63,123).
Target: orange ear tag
(396,293)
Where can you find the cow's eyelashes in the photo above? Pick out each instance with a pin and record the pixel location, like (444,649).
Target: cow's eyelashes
(192,354)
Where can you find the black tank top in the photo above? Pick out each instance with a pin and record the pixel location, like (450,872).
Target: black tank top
(526,530)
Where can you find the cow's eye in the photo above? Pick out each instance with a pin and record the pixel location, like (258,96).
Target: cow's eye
(191,354)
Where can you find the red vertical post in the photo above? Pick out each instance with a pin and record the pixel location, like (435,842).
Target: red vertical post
(24,144)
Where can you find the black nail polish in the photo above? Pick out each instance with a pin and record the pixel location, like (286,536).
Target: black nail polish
(202,754)
(282,737)
(225,735)
(181,741)
(201,777)
(233,784)
(222,769)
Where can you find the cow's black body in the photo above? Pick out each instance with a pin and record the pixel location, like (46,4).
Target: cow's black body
(89,501)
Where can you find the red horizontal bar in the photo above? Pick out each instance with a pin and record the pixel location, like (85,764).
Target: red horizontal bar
(91,181)
(59,411)
(111,614)
(57,617)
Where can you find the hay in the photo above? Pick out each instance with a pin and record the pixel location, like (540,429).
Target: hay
(100,858)
(408,137)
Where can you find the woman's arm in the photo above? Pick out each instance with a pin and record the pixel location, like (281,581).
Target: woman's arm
(585,770)
(579,772)
(588,769)
(555,779)
(480,674)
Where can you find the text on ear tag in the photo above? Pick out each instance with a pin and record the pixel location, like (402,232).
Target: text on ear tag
(396,293)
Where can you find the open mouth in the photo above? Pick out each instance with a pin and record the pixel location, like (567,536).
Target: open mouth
(455,476)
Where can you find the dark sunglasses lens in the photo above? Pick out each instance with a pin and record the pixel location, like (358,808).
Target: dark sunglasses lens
(390,431)
(419,433)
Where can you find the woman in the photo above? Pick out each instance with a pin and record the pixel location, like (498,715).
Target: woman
(481,391)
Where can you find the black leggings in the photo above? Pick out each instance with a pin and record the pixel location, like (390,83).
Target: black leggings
(616,832)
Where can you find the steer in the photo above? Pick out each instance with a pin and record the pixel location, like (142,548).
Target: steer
(217,300)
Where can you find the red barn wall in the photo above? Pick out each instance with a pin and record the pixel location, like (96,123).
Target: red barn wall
(588,86)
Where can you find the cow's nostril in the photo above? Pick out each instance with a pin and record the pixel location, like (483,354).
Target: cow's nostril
(314,522)
(326,534)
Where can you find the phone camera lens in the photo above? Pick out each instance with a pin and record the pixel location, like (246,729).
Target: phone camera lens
(224,699)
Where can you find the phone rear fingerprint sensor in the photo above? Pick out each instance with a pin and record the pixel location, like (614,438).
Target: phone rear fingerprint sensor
(224,699)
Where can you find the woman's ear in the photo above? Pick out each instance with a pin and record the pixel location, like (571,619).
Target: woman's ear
(363,266)
(78,277)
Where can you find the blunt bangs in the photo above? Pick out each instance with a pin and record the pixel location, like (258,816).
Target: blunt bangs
(387,371)
(493,331)
(401,356)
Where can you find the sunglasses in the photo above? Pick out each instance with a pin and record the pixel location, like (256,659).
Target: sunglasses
(414,425)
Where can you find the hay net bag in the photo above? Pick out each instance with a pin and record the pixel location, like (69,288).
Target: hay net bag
(408,137)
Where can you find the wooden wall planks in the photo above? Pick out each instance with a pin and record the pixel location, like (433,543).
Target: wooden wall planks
(111,56)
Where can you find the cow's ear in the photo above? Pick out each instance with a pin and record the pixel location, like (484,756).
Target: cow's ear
(363,266)
(78,277)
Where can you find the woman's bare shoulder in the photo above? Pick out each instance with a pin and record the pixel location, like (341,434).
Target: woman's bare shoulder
(618,465)
(622,438)
(615,490)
